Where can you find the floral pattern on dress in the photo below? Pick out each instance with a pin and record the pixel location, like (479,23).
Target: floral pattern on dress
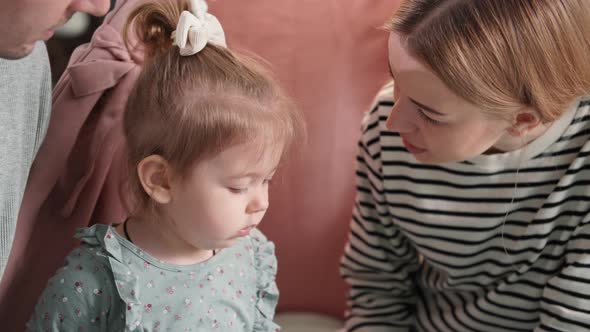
(110,283)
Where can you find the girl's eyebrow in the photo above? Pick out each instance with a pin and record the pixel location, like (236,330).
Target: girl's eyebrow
(251,174)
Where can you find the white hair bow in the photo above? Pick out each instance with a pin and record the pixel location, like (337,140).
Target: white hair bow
(197,28)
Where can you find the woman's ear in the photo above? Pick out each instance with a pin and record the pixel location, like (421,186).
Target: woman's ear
(524,122)
(154,174)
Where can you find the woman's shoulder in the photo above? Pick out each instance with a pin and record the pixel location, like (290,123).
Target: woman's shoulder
(385,94)
(383,99)
(379,109)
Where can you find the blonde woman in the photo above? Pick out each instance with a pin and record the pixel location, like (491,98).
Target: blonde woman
(472,211)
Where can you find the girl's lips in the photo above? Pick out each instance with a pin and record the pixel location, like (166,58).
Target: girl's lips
(245,231)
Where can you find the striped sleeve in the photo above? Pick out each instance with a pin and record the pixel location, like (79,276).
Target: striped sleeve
(379,262)
(565,303)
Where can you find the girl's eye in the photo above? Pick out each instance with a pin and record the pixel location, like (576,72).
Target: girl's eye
(267,181)
(238,190)
(426,118)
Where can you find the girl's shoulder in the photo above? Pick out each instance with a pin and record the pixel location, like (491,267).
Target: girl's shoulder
(265,263)
(256,236)
(90,258)
(79,294)
(86,267)
(255,255)
(265,260)
(263,250)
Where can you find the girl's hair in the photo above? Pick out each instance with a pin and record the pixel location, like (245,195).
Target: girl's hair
(190,108)
(503,55)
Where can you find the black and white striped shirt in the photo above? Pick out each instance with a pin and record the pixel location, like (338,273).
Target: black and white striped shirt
(429,249)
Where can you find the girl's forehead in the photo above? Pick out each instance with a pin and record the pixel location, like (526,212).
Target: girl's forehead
(247,157)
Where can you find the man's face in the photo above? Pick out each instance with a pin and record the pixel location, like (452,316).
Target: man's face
(24,22)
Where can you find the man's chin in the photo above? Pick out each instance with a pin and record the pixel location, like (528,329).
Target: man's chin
(18,52)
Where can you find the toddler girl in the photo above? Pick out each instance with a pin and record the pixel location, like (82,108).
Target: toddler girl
(206,130)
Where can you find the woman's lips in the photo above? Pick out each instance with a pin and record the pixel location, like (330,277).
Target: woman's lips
(411,148)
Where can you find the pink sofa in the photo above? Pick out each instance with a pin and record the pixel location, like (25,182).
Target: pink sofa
(331,57)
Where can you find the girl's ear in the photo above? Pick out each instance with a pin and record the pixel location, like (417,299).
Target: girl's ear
(154,174)
(524,122)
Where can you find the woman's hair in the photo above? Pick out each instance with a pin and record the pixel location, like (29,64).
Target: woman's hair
(503,55)
(190,108)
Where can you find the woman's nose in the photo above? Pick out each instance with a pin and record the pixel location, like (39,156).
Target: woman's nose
(400,119)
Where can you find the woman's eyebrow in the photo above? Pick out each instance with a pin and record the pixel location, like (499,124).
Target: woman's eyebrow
(426,108)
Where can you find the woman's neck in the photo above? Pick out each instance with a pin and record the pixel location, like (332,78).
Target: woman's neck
(508,142)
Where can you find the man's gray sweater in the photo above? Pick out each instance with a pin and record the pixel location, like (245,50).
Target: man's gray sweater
(25,107)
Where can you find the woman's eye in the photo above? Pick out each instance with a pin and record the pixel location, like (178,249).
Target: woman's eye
(426,118)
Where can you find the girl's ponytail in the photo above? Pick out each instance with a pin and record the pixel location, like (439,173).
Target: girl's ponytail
(152,24)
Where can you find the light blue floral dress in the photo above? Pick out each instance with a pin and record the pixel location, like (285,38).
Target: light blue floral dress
(109,284)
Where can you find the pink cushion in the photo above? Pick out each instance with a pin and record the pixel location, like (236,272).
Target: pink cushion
(331,56)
